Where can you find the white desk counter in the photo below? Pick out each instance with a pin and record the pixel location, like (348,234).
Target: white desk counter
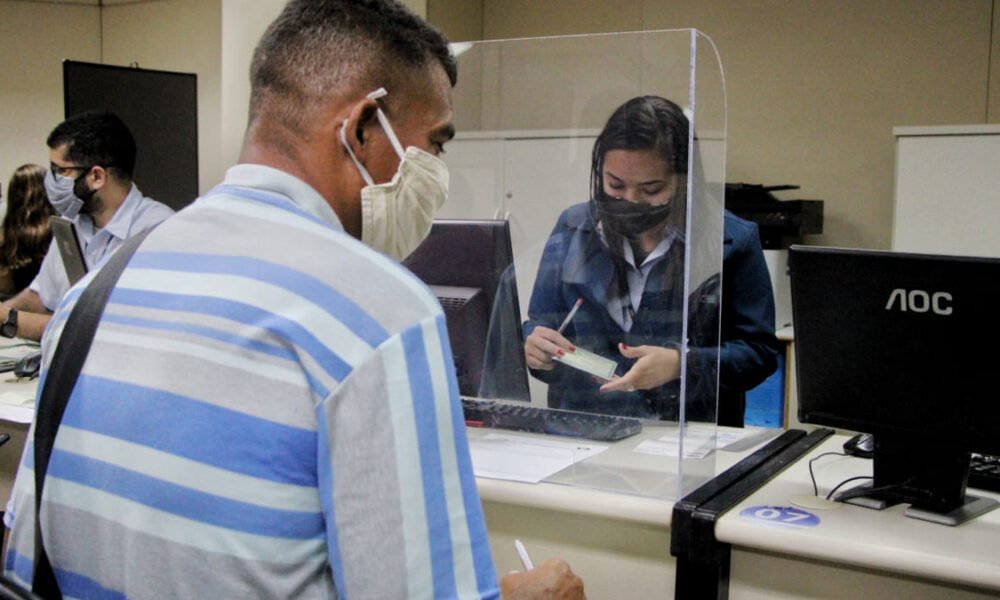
(16,410)
(852,551)
(618,542)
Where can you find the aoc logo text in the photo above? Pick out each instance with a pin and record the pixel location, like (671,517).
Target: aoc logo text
(919,301)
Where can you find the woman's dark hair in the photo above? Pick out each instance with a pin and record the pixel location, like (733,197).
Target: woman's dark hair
(642,123)
(26,233)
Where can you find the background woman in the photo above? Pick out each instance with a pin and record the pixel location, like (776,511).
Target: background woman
(26,235)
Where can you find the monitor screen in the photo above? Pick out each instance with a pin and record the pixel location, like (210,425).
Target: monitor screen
(469,265)
(161,110)
(889,343)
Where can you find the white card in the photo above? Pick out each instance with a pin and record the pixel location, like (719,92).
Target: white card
(587,361)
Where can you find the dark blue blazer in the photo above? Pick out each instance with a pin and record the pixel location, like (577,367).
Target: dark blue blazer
(576,263)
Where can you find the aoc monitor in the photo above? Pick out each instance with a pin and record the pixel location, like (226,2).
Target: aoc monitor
(160,108)
(469,265)
(897,345)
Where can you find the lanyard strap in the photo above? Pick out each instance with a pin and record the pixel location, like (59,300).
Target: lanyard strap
(60,378)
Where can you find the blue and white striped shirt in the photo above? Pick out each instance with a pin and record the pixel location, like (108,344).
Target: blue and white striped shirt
(268,410)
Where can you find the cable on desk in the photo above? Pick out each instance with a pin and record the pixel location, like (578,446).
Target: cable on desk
(829,496)
(812,475)
(859,491)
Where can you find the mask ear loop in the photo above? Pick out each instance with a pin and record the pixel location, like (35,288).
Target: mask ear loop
(361,169)
(380,93)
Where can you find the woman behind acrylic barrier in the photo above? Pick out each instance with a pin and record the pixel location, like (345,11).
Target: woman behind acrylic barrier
(623,254)
(26,234)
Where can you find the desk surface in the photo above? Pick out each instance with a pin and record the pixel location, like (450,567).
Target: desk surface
(17,396)
(851,535)
(619,484)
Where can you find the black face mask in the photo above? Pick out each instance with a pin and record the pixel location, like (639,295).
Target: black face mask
(81,191)
(629,219)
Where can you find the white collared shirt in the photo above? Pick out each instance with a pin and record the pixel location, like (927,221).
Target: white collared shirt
(637,276)
(136,214)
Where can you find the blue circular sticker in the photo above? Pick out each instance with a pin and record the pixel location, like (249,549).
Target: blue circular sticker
(780,515)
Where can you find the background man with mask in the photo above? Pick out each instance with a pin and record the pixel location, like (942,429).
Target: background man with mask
(89,181)
(269,409)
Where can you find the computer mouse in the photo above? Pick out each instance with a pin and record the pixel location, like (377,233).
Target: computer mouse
(861,445)
(28,365)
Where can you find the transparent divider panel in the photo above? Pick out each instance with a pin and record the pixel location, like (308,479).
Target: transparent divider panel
(529,114)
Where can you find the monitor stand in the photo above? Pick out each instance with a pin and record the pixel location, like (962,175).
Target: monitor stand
(972,507)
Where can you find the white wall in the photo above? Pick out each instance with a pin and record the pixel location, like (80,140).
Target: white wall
(36,38)
(243,23)
(175,35)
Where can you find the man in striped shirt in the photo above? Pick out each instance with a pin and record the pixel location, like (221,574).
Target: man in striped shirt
(269,408)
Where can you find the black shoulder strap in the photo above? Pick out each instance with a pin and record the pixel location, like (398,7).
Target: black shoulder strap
(60,378)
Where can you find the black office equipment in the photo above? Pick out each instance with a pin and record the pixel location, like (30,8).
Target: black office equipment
(889,343)
(70,249)
(28,365)
(469,265)
(780,222)
(984,472)
(161,110)
(520,417)
(861,445)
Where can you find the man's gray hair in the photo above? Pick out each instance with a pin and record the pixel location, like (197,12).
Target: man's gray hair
(319,47)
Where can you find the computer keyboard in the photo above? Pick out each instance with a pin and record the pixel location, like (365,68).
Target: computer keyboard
(984,472)
(500,415)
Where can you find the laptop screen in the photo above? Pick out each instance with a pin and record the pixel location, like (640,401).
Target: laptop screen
(69,248)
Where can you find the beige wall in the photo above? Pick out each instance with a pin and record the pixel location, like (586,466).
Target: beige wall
(35,39)
(175,35)
(211,38)
(814,87)
(243,22)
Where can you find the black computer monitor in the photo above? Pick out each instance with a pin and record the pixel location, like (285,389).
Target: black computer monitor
(469,265)
(898,345)
(160,108)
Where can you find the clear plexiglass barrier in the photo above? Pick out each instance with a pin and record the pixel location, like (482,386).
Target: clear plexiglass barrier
(604,157)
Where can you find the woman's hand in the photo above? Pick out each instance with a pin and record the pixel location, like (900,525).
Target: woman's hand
(542,345)
(655,366)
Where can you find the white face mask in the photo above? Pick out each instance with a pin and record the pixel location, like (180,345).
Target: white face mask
(396,216)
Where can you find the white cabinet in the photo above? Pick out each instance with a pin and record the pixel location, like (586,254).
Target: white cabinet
(947,190)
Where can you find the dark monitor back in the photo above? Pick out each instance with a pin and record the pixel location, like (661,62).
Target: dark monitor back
(890,342)
(485,334)
(464,253)
(161,110)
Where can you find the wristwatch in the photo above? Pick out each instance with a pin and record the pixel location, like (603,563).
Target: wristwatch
(9,327)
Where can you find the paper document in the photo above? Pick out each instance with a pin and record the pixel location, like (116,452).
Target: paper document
(595,364)
(18,406)
(528,459)
(699,442)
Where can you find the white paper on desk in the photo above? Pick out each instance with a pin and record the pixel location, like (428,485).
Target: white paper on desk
(17,414)
(699,442)
(528,459)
